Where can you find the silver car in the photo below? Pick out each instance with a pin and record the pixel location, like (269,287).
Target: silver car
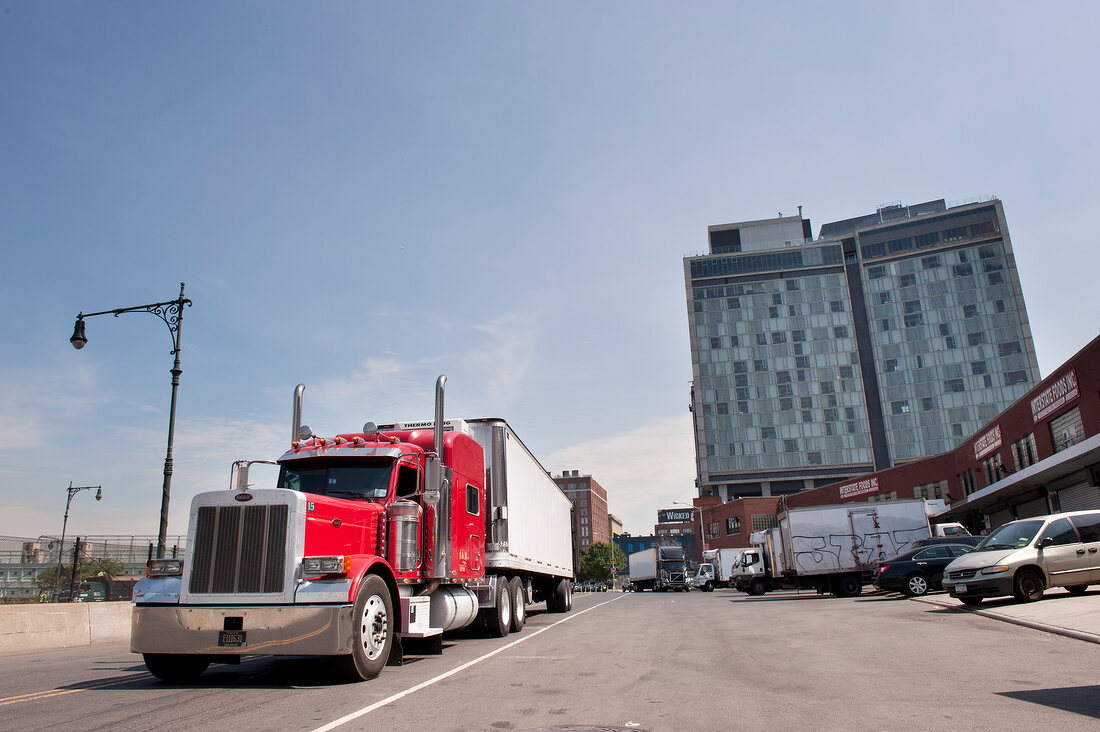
(1023,558)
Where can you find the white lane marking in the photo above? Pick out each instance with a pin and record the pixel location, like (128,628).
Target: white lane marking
(425,684)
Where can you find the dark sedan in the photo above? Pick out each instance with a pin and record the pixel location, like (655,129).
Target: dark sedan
(915,572)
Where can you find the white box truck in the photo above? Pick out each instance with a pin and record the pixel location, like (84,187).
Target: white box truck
(833,548)
(716,569)
(658,568)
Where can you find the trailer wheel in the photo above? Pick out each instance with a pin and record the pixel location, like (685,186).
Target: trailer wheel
(497,620)
(560,599)
(371,631)
(175,668)
(519,609)
(848,586)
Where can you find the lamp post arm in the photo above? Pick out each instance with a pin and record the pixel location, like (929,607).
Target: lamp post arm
(171,312)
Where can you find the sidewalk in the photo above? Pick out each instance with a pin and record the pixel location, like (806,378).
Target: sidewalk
(1058,612)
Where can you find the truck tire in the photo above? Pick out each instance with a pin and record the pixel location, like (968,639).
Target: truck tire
(372,630)
(849,585)
(757,587)
(708,587)
(175,668)
(496,621)
(519,608)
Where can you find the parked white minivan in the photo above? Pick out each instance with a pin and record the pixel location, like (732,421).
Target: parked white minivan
(1022,558)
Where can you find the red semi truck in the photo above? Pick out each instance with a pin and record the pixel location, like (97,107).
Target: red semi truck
(368,540)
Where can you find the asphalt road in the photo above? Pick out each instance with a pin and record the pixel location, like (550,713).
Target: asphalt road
(643,661)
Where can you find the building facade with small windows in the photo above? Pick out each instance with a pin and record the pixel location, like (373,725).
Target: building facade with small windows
(591,521)
(1039,456)
(890,338)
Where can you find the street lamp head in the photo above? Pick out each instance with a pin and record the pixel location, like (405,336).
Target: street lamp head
(79,339)
(99,494)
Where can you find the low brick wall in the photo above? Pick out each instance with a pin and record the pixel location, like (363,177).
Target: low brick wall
(59,625)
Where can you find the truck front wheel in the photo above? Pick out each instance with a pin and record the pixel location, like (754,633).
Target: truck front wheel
(175,668)
(757,587)
(371,630)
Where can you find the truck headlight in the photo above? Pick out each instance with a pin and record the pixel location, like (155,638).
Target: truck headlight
(164,568)
(326,565)
(999,569)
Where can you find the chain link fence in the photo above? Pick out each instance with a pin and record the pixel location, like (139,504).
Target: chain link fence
(22,558)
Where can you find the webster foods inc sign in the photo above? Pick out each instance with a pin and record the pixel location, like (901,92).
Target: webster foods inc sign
(859,487)
(1054,397)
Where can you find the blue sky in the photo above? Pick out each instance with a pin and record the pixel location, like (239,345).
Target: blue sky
(361,196)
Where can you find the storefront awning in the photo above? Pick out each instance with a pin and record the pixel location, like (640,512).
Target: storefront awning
(1068,461)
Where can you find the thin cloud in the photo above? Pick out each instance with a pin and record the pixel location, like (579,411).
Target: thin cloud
(642,470)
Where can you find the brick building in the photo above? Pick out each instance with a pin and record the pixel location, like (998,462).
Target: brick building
(591,521)
(729,524)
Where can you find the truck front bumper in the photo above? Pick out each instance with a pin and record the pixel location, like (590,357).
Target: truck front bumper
(309,630)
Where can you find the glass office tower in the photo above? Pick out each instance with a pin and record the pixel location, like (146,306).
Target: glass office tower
(890,337)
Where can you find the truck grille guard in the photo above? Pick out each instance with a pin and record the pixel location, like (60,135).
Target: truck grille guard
(239,549)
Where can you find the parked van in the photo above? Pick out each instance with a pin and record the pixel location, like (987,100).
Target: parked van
(1023,558)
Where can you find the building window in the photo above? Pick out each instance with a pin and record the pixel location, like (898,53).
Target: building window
(712,530)
(891,496)
(932,490)
(993,468)
(1067,430)
(954,385)
(733,525)
(967,480)
(762,521)
(1024,452)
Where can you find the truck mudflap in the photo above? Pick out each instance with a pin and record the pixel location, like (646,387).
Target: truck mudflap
(317,630)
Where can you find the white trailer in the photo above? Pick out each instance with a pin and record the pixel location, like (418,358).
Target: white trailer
(528,520)
(832,548)
(658,568)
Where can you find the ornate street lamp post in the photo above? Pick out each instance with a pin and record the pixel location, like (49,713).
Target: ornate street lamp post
(73,490)
(171,313)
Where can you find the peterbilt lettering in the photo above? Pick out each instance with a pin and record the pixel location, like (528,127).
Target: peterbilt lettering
(366,542)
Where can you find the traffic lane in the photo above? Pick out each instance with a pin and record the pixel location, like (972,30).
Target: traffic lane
(68,688)
(661,661)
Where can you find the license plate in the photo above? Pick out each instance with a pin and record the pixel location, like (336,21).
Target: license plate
(960,589)
(233,638)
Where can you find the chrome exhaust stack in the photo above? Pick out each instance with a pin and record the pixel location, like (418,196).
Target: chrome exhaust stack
(296,418)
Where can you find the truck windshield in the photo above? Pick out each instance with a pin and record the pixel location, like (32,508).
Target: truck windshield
(348,478)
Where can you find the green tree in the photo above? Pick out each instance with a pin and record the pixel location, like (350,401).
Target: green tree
(46,580)
(596,562)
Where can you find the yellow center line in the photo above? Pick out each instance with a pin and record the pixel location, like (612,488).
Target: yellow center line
(35,696)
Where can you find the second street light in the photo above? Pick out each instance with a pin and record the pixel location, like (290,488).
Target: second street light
(73,490)
(171,312)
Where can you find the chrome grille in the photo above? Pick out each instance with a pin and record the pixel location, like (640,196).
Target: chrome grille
(239,549)
(962,574)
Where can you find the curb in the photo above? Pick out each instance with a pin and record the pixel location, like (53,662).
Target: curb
(1053,629)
